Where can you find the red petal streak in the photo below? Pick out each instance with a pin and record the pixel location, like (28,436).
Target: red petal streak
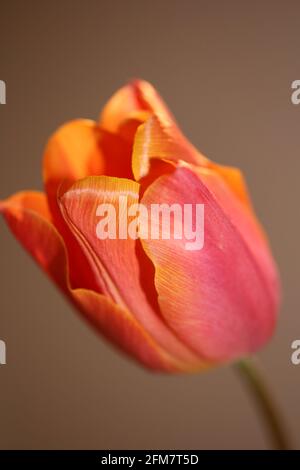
(242,217)
(216,299)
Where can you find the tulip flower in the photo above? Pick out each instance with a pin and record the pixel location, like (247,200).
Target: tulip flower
(171,309)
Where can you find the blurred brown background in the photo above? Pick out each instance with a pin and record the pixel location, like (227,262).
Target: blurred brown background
(225,69)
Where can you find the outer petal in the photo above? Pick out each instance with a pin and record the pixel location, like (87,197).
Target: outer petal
(111,258)
(241,215)
(27,216)
(219,300)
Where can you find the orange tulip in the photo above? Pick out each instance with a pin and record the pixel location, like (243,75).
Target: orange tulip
(169,308)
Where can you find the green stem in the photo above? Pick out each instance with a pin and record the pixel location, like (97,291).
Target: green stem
(265,403)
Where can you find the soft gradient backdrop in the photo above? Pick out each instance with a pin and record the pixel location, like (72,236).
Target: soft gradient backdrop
(225,69)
